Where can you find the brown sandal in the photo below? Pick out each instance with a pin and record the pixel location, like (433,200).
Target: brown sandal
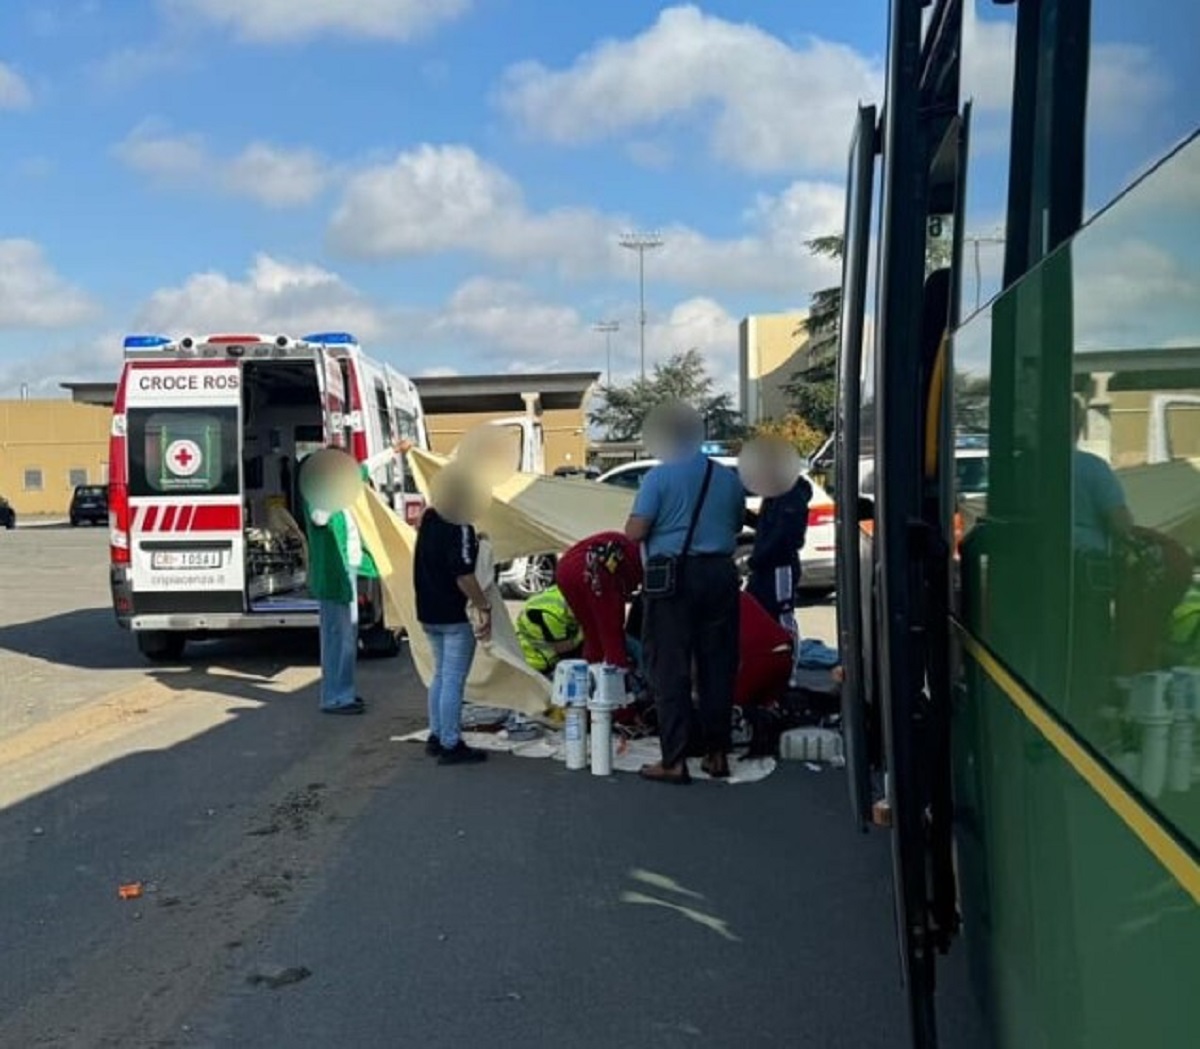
(716,765)
(660,773)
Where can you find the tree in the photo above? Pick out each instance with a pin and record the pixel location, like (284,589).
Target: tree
(794,429)
(813,392)
(682,377)
(972,398)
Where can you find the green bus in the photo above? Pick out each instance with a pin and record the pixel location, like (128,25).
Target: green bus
(1021,288)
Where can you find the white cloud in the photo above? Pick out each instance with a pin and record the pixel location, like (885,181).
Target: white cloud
(15,92)
(1124,80)
(129,66)
(292,21)
(448,199)
(510,328)
(275,296)
(42,369)
(32,294)
(273,175)
(648,154)
(772,102)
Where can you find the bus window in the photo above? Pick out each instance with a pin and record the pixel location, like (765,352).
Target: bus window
(989,56)
(1142,85)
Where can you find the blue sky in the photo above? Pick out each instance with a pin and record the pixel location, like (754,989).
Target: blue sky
(445,177)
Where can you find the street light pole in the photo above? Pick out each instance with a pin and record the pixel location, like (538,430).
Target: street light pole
(607,328)
(978,239)
(641,243)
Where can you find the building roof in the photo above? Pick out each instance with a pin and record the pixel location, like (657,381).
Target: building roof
(503,393)
(91,392)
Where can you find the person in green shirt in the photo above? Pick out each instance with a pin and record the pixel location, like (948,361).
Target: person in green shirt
(337,557)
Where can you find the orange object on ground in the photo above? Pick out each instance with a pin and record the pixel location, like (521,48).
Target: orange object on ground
(131,891)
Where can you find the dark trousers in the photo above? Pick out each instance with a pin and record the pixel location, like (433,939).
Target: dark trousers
(774,587)
(699,624)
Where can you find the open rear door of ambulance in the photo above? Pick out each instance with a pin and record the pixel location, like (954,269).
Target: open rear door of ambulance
(187,556)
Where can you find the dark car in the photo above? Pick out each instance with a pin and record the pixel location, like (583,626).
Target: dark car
(89,503)
(8,516)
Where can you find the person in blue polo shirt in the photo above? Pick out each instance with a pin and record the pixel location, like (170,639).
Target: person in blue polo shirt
(688,513)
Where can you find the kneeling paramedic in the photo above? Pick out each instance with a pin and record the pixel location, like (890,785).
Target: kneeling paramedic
(547,630)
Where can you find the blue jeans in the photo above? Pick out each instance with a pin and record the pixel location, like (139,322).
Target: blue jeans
(339,651)
(453,649)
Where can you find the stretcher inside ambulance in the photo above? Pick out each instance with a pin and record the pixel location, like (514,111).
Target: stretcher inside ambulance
(206,517)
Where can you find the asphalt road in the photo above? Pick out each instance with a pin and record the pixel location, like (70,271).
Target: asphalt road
(510,904)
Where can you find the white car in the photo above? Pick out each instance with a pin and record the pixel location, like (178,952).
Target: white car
(817,554)
(523,577)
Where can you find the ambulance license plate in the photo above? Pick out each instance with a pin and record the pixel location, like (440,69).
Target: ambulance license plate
(174,560)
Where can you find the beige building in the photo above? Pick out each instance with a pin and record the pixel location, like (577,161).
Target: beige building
(770,351)
(49,447)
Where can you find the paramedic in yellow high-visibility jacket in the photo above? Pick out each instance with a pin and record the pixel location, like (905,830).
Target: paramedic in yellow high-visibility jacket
(547,631)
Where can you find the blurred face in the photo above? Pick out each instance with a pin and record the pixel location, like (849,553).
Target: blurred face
(769,466)
(673,432)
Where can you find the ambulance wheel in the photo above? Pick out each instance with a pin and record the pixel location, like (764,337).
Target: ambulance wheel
(380,642)
(161,646)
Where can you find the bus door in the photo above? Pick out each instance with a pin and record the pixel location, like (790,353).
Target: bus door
(183,425)
(850,607)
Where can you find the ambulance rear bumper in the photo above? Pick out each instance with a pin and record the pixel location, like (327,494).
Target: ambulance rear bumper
(223,622)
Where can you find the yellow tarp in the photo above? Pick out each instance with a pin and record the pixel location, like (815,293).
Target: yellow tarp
(499,675)
(530,514)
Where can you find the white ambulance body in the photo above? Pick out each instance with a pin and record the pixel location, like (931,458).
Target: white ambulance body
(207,529)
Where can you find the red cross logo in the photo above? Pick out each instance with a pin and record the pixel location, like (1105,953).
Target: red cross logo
(184,458)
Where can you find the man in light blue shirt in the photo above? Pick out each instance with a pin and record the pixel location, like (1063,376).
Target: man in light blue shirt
(696,624)
(668,495)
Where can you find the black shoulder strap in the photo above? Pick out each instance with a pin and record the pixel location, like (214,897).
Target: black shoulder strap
(687,543)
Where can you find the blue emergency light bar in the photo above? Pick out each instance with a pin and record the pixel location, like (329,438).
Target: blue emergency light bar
(332,338)
(715,448)
(146,342)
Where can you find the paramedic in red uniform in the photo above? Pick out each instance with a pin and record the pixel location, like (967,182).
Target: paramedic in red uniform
(598,576)
(765,652)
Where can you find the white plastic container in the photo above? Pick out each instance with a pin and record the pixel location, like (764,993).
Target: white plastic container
(1183,730)
(575,735)
(1156,735)
(601,739)
(812,744)
(572,684)
(607,685)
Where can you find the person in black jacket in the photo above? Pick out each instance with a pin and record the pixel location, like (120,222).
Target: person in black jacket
(778,537)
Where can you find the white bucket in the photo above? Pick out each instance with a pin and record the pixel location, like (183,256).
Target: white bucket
(1149,695)
(575,734)
(608,685)
(571,683)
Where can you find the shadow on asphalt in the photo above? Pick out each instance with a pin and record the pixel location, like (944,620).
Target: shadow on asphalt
(90,639)
(165,815)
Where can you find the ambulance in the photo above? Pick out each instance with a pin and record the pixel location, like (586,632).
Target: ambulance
(205,518)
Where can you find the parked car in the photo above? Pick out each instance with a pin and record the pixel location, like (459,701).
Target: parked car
(8,516)
(817,554)
(89,503)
